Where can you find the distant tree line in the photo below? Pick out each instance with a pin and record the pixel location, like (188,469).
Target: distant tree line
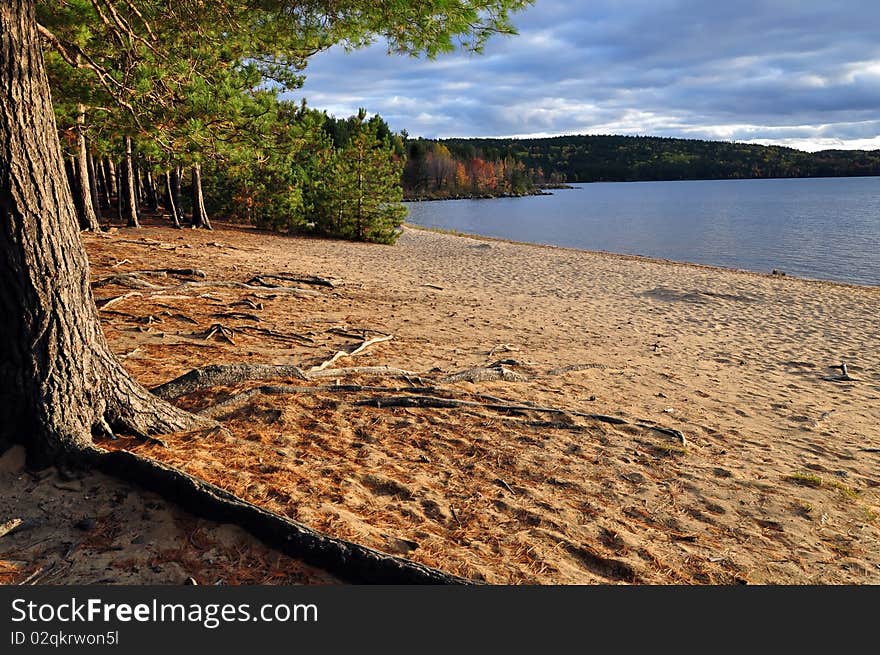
(637,158)
(436,170)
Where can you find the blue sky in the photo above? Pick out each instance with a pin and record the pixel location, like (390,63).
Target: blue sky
(793,72)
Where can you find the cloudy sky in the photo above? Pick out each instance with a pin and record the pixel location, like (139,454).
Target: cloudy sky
(802,73)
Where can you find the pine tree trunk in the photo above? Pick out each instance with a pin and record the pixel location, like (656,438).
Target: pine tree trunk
(93,186)
(110,176)
(170,205)
(100,183)
(88,219)
(59,380)
(199,213)
(127,193)
(152,196)
(176,189)
(120,197)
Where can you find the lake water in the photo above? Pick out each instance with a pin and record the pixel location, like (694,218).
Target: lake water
(826,228)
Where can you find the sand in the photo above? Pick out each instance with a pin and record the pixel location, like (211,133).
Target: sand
(776,481)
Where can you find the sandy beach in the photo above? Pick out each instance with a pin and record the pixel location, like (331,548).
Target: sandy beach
(774,481)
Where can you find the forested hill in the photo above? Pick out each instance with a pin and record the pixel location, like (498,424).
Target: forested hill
(638,158)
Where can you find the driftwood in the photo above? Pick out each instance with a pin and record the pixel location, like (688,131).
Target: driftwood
(348,561)
(344,353)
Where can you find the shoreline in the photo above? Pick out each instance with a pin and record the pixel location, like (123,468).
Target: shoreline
(625,256)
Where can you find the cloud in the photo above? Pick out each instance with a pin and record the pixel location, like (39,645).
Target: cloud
(798,72)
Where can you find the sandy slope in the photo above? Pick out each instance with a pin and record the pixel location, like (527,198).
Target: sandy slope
(774,484)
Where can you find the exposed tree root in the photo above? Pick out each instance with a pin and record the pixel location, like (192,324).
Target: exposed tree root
(177,272)
(108,302)
(378,371)
(843,377)
(290,336)
(491,373)
(449,403)
(349,561)
(221,331)
(129,280)
(239,399)
(313,280)
(228,284)
(224,375)
(344,353)
(247,302)
(241,316)
(576,367)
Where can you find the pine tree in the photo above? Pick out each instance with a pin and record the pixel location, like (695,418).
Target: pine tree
(364,202)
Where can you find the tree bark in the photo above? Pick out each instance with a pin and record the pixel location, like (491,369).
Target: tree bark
(103,183)
(199,213)
(170,205)
(88,219)
(59,380)
(110,176)
(127,192)
(152,196)
(177,191)
(94,186)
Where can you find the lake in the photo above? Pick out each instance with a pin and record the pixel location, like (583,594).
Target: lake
(826,228)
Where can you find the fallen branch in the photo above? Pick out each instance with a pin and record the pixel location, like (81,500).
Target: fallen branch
(343,353)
